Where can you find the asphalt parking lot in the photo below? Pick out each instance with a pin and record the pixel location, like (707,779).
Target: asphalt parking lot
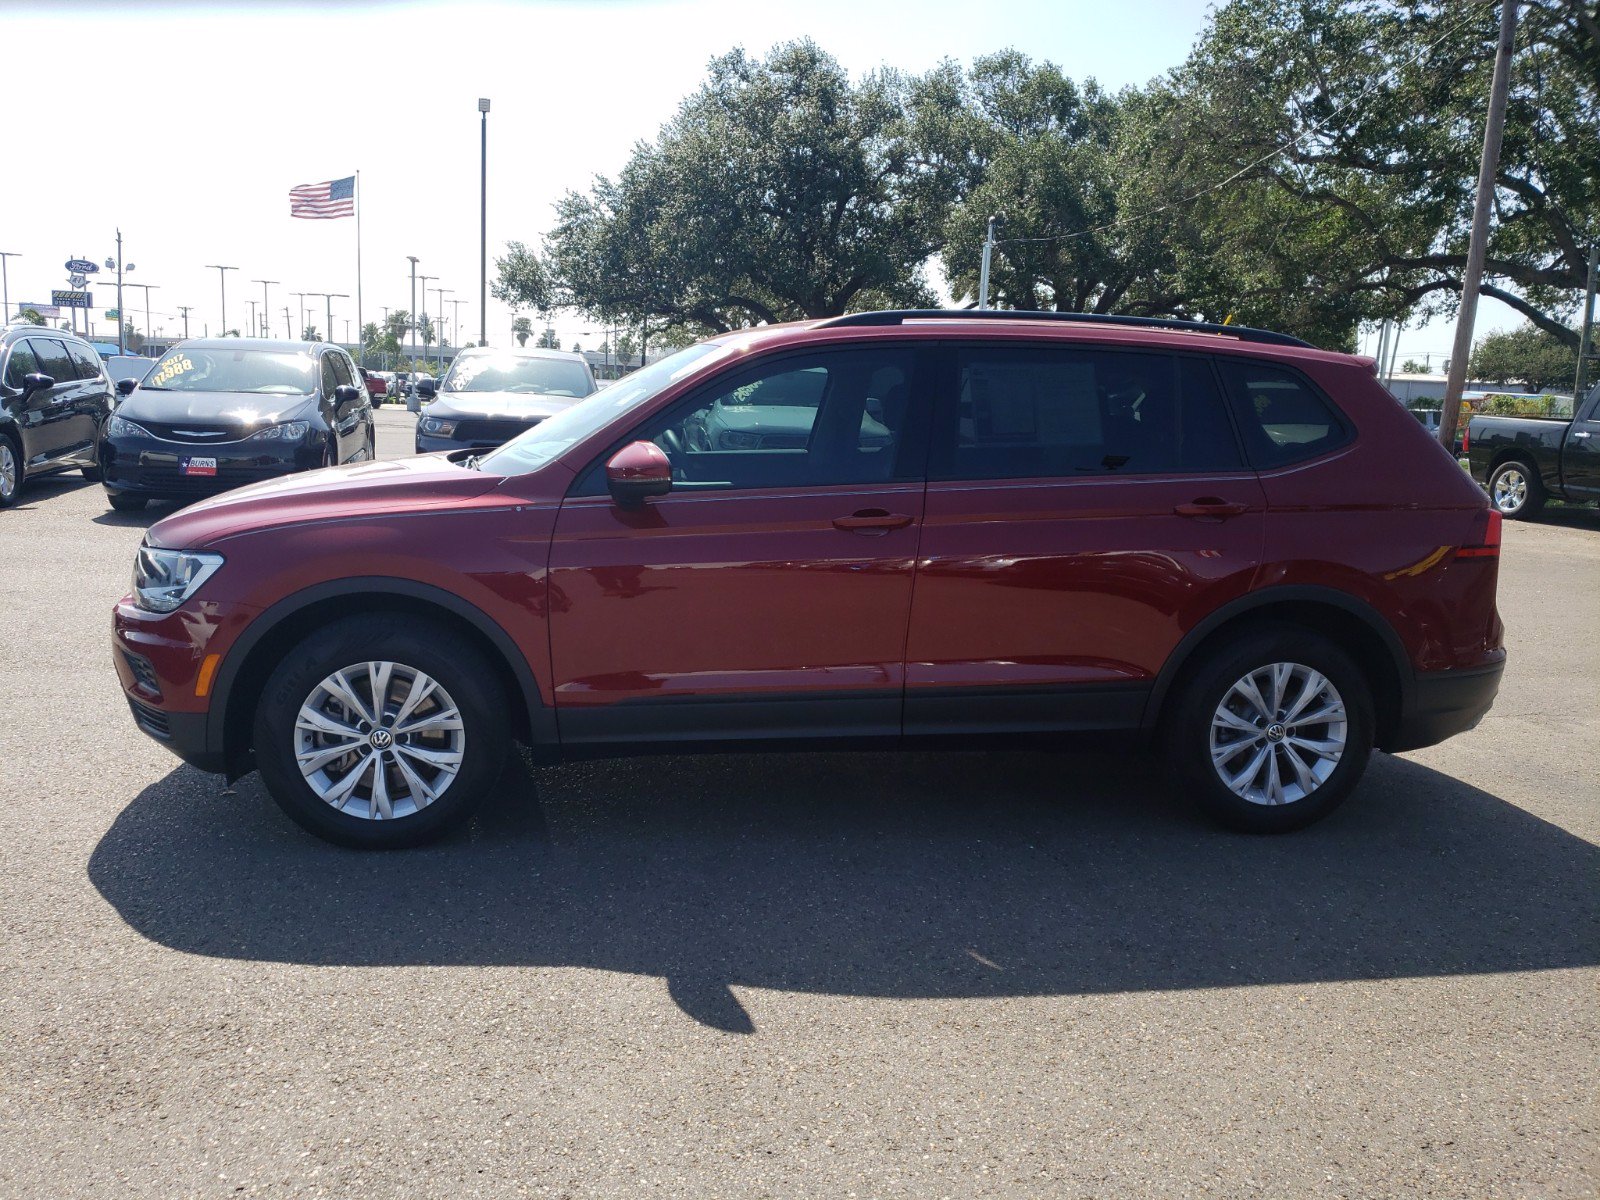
(832,975)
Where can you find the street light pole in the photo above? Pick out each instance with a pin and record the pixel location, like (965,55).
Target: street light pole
(266,305)
(483,225)
(255,328)
(301,296)
(148,288)
(437,335)
(221,276)
(413,260)
(425,279)
(5,283)
(328,298)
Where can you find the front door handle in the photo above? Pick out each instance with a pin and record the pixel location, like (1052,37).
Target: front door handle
(1580,433)
(871,520)
(1210,506)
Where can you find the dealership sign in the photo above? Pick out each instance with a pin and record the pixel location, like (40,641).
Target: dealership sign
(81,266)
(44,310)
(63,299)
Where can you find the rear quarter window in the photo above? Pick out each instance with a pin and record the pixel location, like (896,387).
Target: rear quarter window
(1282,417)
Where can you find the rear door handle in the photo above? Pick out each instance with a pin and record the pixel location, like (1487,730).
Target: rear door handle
(872,520)
(1210,506)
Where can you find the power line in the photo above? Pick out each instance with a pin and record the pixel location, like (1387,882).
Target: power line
(1316,127)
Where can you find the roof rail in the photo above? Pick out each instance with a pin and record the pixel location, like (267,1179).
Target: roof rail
(900,316)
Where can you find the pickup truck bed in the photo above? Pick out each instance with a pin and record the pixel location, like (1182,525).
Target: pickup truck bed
(1524,461)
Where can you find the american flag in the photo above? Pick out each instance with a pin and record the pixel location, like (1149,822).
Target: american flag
(324,201)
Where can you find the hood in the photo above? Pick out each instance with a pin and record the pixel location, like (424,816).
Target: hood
(517,406)
(361,489)
(213,408)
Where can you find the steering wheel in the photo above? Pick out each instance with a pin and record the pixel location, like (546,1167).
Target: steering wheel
(671,442)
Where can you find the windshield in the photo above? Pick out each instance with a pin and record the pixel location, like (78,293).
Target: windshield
(516,373)
(550,437)
(259,372)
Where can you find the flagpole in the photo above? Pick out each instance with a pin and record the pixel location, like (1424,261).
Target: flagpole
(360,324)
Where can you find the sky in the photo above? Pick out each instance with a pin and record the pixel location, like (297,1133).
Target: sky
(204,115)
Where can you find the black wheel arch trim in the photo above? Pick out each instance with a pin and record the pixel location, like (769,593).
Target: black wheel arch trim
(1284,594)
(541,717)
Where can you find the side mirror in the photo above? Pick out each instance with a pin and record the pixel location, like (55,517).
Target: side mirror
(637,472)
(125,387)
(427,388)
(346,392)
(37,382)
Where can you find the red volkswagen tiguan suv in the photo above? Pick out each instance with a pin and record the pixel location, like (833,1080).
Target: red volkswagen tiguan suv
(887,529)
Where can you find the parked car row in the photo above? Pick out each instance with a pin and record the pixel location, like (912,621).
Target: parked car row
(885,529)
(207,416)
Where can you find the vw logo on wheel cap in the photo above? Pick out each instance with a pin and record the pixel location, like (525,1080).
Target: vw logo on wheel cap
(380,739)
(1275,732)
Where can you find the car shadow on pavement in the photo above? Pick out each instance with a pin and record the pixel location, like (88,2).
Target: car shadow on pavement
(914,875)
(140,519)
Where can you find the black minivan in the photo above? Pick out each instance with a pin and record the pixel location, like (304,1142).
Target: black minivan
(55,397)
(214,414)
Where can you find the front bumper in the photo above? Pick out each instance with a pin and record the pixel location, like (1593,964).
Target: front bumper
(1442,704)
(160,660)
(155,468)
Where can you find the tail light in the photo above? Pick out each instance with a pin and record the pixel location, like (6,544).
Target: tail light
(1486,542)
(1466,437)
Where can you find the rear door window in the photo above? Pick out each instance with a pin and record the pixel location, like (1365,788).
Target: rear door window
(1046,412)
(85,359)
(1282,418)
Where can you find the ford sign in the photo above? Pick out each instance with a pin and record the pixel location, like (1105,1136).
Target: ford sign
(81,266)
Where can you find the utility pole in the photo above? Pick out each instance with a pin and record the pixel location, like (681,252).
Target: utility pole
(184,309)
(288,326)
(483,226)
(5,283)
(222,275)
(983,273)
(1478,247)
(1586,342)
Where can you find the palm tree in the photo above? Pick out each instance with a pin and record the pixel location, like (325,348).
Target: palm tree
(523,328)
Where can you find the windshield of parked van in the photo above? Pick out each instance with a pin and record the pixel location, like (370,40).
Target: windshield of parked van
(258,372)
(550,437)
(515,373)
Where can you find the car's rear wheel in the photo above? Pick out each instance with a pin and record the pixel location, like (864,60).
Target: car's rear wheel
(127,503)
(380,733)
(1515,490)
(1272,731)
(10,472)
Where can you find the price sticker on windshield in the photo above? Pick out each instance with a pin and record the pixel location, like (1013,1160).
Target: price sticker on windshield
(170,369)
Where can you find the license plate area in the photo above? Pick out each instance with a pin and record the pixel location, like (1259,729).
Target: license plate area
(197,466)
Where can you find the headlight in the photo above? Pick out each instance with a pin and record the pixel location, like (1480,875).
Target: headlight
(289,431)
(733,439)
(117,427)
(435,426)
(164,579)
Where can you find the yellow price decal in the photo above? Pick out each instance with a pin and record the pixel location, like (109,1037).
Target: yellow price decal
(171,370)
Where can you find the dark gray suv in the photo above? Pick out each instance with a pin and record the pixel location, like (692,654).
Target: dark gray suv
(55,396)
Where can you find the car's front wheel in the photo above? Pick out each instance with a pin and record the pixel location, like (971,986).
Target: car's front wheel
(380,733)
(1272,731)
(10,472)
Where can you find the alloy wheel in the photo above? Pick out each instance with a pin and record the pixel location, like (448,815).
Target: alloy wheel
(8,470)
(1278,734)
(1510,490)
(379,740)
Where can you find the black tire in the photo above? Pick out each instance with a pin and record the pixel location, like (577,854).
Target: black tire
(1200,693)
(127,503)
(11,462)
(1504,495)
(416,644)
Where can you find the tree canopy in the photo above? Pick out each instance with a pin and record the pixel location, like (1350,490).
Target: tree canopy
(1530,356)
(1310,167)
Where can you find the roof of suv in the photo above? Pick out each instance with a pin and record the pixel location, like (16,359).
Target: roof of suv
(1000,325)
